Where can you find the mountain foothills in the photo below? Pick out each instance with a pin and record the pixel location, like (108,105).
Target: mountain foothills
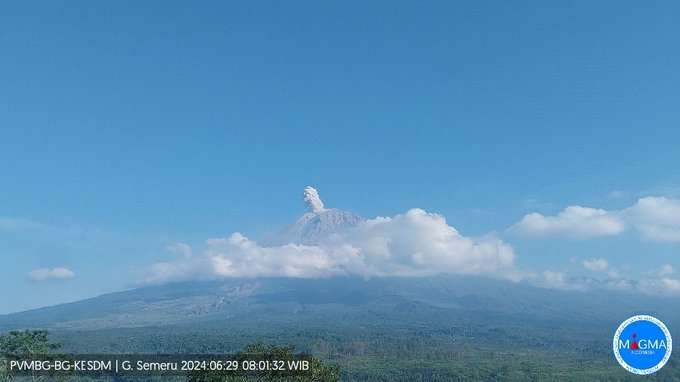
(433,328)
(437,301)
(377,329)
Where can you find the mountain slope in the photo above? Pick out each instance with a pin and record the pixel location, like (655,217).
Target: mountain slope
(438,301)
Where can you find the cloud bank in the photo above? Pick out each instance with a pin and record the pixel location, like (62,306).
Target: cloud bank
(416,243)
(596,265)
(45,274)
(654,218)
(662,282)
(573,221)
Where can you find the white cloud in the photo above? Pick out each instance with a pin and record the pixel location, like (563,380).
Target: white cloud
(416,243)
(671,285)
(596,265)
(554,279)
(559,280)
(664,286)
(44,274)
(573,221)
(652,283)
(655,218)
(666,270)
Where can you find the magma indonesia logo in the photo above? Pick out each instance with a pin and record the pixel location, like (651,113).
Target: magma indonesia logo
(642,344)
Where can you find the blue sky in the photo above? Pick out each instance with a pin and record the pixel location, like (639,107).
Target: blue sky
(126,127)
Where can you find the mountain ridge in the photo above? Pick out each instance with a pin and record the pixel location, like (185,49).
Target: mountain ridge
(377,301)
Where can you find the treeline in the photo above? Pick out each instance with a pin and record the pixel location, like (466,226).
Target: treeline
(377,358)
(17,345)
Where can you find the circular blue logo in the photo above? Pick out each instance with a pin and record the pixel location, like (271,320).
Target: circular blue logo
(642,344)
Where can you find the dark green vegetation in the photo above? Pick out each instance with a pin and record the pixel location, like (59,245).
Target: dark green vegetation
(15,344)
(26,342)
(426,329)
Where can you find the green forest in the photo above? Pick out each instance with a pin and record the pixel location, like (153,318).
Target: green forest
(337,358)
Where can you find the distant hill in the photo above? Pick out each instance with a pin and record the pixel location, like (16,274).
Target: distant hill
(383,329)
(439,301)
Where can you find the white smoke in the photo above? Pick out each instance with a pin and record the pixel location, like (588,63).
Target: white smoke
(44,274)
(312,199)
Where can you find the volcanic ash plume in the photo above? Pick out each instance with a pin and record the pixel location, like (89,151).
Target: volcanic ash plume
(312,199)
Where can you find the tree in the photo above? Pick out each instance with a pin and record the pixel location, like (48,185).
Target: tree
(17,344)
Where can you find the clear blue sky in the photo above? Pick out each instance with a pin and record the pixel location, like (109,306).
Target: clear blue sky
(126,126)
